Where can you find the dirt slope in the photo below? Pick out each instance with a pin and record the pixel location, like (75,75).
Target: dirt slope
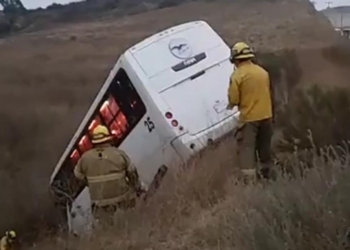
(49,78)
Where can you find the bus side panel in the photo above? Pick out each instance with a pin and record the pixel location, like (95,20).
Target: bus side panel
(155,104)
(147,144)
(79,215)
(144,149)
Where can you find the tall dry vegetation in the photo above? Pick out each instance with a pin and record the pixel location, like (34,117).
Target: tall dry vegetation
(36,100)
(199,206)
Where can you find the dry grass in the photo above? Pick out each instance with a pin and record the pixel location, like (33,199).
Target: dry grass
(48,79)
(200,207)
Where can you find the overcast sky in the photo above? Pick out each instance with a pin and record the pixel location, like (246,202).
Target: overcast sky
(30,4)
(321,4)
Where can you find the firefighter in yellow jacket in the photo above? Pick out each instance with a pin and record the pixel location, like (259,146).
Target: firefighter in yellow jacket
(111,177)
(7,241)
(249,89)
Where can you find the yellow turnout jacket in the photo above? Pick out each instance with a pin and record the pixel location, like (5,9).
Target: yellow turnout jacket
(110,175)
(250,90)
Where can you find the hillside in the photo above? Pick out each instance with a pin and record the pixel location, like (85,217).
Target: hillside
(48,79)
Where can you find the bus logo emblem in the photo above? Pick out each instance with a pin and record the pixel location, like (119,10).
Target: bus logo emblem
(180,48)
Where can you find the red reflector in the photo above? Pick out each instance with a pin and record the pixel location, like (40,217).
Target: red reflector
(168,115)
(174,123)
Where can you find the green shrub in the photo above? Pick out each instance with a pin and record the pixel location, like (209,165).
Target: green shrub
(313,112)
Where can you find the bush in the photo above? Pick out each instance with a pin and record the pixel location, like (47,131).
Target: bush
(285,73)
(325,113)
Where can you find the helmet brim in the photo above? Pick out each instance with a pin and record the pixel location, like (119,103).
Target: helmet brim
(102,140)
(248,56)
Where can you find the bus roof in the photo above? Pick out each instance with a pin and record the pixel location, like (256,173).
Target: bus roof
(172,30)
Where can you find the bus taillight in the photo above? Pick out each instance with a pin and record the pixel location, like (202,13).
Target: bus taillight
(174,123)
(168,115)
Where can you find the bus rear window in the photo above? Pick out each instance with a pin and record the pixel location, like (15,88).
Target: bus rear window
(109,109)
(120,110)
(95,122)
(75,156)
(119,125)
(113,106)
(85,144)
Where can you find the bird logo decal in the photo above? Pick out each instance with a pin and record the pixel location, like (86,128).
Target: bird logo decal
(180,48)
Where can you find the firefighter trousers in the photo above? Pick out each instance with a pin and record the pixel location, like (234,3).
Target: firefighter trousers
(104,214)
(253,147)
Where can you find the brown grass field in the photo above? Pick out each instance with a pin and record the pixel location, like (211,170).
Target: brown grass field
(201,208)
(48,79)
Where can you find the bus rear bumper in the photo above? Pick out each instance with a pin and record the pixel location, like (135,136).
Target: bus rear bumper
(188,145)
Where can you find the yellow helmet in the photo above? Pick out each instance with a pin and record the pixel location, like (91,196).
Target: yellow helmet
(100,134)
(241,50)
(11,235)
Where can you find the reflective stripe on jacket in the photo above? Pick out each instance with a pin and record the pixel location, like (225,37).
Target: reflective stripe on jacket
(106,170)
(250,90)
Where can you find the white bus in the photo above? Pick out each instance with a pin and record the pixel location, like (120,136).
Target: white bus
(164,99)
